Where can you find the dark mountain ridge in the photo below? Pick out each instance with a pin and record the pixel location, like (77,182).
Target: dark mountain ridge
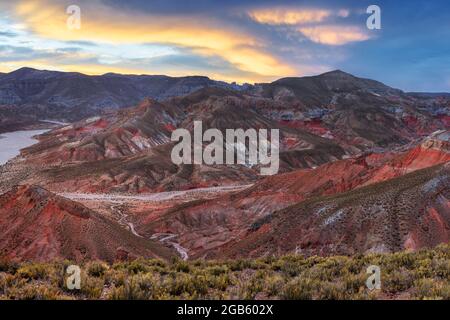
(78,95)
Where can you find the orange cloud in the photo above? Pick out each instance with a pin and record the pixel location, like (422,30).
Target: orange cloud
(101,23)
(294,16)
(288,16)
(334,35)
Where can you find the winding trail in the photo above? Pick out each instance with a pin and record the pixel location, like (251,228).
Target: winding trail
(161,237)
(116,200)
(165,239)
(123,220)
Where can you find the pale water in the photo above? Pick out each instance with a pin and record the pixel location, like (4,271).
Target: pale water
(12,142)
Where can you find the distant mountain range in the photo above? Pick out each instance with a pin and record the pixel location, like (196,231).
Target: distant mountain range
(363,167)
(72,96)
(321,119)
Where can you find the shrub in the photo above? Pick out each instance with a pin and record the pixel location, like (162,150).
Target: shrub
(91,287)
(97,269)
(332,291)
(34,292)
(7,265)
(299,289)
(274,284)
(182,266)
(217,270)
(129,291)
(179,285)
(137,266)
(354,283)
(239,265)
(441,267)
(397,281)
(33,271)
(419,275)
(424,288)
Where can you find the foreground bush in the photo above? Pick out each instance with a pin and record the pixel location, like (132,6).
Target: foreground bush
(405,275)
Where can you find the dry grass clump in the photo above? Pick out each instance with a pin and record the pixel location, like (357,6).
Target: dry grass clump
(424,274)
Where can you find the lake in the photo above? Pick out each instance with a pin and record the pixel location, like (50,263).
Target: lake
(12,142)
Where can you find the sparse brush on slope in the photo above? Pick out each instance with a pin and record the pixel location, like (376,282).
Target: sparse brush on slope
(404,275)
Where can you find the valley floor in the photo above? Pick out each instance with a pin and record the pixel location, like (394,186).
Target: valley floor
(424,274)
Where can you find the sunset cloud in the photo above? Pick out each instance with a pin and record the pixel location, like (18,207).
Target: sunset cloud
(334,34)
(131,38)
(106,24)
(243,41)
(294,16)
(288,16)
(312,23)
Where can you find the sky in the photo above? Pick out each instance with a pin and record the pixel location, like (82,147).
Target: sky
(242,41)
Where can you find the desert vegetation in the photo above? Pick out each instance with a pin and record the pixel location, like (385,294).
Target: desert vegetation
(424,274)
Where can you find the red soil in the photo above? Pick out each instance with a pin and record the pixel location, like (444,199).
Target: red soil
(38,225)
